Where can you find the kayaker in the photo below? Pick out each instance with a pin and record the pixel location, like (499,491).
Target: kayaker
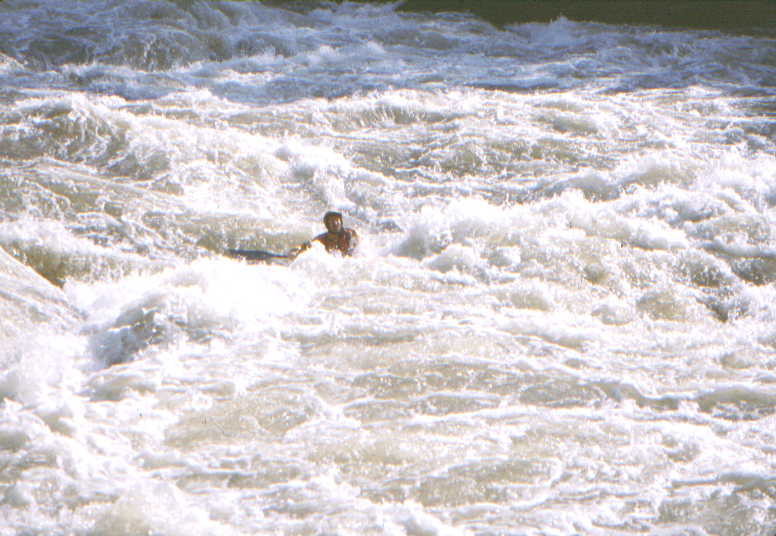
(336,237)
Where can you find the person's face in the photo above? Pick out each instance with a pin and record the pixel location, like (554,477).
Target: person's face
(334,224)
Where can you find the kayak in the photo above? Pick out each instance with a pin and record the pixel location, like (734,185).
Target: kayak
(257,255)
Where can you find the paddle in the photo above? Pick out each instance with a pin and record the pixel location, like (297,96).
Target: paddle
(256,255)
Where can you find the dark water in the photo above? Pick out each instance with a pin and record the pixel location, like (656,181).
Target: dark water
(746,16)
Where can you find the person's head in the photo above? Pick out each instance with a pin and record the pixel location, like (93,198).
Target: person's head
(333,222)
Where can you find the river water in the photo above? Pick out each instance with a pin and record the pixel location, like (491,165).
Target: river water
(560,320)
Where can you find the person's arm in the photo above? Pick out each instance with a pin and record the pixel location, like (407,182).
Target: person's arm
(295,252)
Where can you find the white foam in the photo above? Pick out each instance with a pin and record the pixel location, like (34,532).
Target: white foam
(416,521)
(49,234)
(560,318)
(157,507)
(208,294)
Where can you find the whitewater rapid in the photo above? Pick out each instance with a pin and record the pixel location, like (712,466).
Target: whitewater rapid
(560,319)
